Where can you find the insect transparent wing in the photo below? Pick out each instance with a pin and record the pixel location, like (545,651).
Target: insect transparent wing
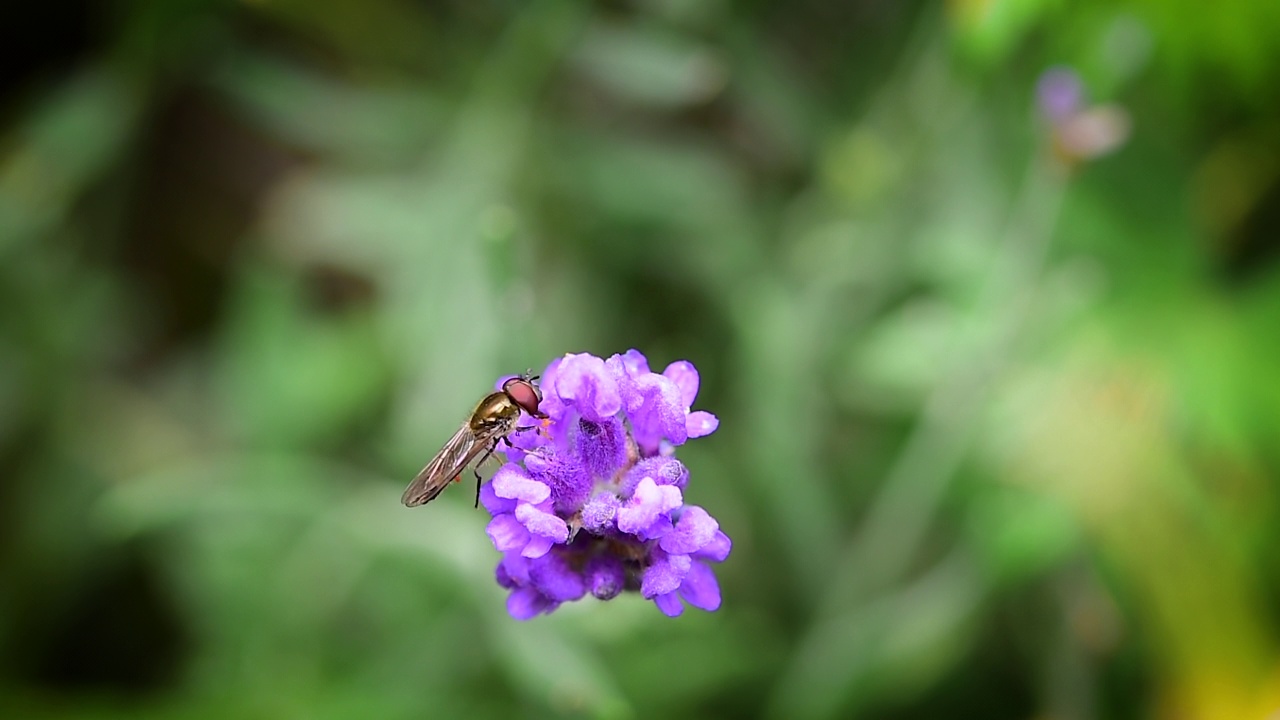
(443,468)
(452,459)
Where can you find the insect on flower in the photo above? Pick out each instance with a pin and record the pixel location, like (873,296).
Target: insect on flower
(599,505)
(493,420)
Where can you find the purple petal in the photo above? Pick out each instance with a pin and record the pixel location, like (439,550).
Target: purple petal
(556,579)
(664,498)
(617,368)
(669,604)
(503,577)
(600,512)
(700,423)
(542,523)
(516,567)
(1059,93)
(511,482)
(494,504)
(507,533)
(526,603)
(716,550)
(664,470)
(661,413)
(685,376)
(656,529)
(584,382)
(569,479)
(605,576)
(664,574)
(635,362)
(700,588)
(553,408)
(537,546)
(602,446)
(646,505)
(694,531)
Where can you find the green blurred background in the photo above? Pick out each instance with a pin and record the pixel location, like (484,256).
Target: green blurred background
(1000,413)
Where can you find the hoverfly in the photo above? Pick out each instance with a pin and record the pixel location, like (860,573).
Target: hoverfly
(492,421)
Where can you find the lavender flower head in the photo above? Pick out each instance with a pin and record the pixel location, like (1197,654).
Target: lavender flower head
(593,502)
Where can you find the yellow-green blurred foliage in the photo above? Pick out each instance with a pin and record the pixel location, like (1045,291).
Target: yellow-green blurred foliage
(999,397)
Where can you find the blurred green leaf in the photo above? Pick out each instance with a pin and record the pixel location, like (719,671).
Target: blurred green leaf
(361,125)
(649,67)
(292,377)
(70,139)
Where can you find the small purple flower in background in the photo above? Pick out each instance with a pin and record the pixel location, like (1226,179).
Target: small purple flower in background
(1059,93)
(594,504)
(1080,132)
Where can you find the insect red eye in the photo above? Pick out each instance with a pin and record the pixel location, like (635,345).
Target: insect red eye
(523,393)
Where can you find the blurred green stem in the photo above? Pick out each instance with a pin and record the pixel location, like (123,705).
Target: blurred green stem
(882,552)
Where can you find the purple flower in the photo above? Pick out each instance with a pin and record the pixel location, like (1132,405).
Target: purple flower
(1079,131)
(1059,93)
(593,503)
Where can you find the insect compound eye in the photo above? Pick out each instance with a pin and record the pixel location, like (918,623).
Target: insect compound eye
(523,393)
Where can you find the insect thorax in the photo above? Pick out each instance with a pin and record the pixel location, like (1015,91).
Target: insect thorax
(496,411)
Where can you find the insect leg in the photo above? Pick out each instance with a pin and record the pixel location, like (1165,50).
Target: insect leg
(540,427)
(524,428)
(476,469)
